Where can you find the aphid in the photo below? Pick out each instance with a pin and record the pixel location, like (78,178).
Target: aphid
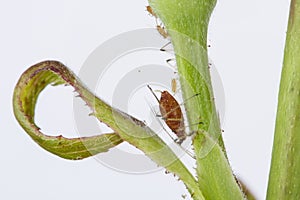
(162,31)
(150,11)
(171,113)
(174,85)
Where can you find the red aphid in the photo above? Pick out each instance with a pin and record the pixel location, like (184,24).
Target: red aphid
(171,113)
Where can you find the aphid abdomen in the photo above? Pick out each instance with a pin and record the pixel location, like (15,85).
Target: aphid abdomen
(171,113)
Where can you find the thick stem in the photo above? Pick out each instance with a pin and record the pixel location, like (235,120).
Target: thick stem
(186,22)
(284,179)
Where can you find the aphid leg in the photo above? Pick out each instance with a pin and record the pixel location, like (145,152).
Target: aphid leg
(178,141)
(160,123)
(156,114)
(191,125)
(172,115)
(197,124)
(191,97)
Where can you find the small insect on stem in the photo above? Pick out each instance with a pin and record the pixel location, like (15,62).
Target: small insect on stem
(171,113)
(150,11)
(162,31)
(174,85)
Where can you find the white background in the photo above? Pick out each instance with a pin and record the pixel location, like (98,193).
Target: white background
(247,39)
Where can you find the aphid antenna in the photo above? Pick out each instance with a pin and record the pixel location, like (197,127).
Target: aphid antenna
(153,93)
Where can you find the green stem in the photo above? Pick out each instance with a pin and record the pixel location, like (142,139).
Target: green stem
(284,178)
(26,93)
(127,128)
(186,22)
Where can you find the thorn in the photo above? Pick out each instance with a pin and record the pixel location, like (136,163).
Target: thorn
(163,47)
(59,137)
(168,60)
(170,64)
(92,114)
